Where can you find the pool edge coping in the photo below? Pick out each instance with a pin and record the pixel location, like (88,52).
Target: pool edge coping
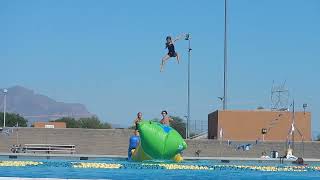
(124,157)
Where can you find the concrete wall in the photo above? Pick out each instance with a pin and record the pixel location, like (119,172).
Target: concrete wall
(115,142)
(247,125)
(88,141)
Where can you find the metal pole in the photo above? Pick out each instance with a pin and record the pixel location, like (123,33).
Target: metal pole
(293,124)
(186,127)
(225,58)
(302,147)
(189,56)
(4,107)
(201,124)
(186,132)
(4,110)
(17,133)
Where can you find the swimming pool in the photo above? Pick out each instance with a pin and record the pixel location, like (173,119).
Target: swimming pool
(122,169)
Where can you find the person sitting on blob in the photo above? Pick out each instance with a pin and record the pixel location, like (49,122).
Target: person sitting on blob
(137,120)
(165,118)
(133,143)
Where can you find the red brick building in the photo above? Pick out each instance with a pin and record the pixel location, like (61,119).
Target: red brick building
(248,125)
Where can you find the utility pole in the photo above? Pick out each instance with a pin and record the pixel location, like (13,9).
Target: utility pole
(225,58)
(188,38)
(5,91)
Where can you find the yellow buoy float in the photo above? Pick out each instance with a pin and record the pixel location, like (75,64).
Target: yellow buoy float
(19,163)
(97,165)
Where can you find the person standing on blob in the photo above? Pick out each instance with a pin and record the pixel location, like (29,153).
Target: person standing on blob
(165,118)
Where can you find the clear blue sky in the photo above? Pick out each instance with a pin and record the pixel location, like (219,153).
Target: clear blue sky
(106,54)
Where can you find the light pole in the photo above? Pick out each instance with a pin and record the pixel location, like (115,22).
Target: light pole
(5,91)
(221,99)
(225,58)
(304,108)
(186,128)
(188,38)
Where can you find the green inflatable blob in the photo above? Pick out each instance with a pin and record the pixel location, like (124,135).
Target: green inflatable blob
(160,141)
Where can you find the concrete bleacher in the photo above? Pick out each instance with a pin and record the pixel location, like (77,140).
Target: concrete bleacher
(213,148)
(115,142)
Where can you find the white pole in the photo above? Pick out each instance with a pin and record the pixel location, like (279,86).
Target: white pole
(293,125)
(221,135)
(17,133)
(4,107)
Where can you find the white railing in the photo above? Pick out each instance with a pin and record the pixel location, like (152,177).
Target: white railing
(200,135)
(48,148)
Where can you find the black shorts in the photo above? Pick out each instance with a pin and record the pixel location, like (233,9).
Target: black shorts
(172,54)
(136,128)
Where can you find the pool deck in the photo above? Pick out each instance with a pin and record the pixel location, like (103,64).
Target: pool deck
(93,156)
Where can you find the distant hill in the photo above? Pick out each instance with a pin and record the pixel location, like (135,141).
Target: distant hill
(36,107)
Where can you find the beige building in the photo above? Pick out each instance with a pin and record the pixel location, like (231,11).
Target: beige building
(49,125)
(249,125)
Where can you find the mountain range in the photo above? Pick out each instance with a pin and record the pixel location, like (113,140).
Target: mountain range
(37,107)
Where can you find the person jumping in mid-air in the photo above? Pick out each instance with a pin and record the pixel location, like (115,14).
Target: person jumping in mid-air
(171,51)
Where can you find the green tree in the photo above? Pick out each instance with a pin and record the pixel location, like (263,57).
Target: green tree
(106,125)
(93,123)
(12,119)
(132,127)
(179,125)
(318,138)
(89,122)
(70,122)
(260,107)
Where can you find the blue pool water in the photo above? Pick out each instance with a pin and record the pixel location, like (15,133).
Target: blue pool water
(121,169)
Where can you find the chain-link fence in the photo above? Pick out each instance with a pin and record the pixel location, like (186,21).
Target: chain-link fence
(198,126)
